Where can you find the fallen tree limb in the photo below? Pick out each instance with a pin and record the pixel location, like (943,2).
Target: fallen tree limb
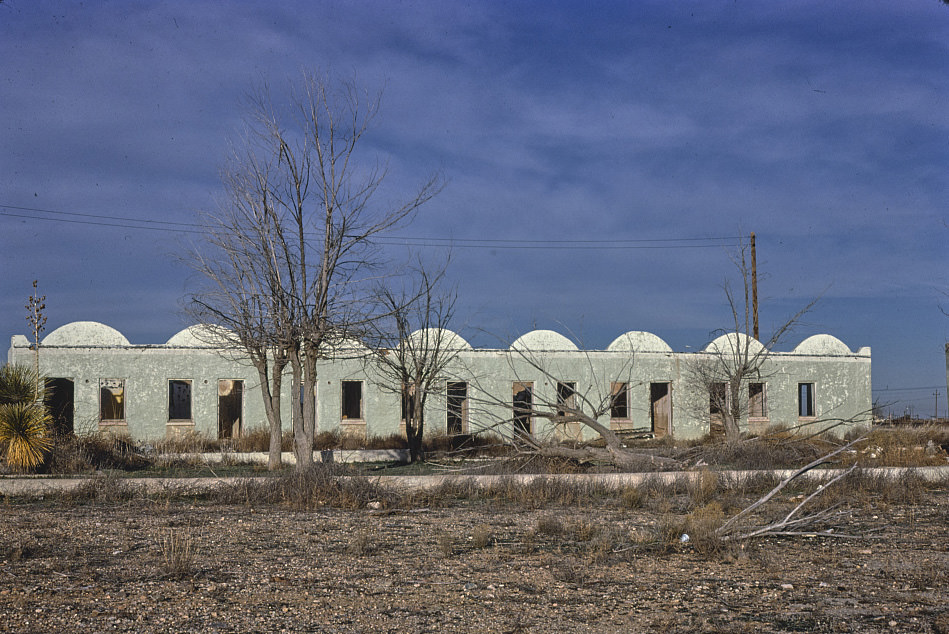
(729,530)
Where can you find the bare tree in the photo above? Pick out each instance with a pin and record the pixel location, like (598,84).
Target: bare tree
(736,358)
(298,188)
(413,349)
(246,295)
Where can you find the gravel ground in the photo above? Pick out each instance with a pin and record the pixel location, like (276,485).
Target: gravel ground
(185,566)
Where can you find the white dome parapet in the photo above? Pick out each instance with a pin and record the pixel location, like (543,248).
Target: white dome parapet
(85,333)
(200,336)
(441,338)
(734,342)
(822,345)
(542,340)
(638,341)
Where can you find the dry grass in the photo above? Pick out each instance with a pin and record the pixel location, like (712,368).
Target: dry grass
(482,536)
(177,555)
(701,526)
(549,525)
(362,543)
(903,447)
(82,453)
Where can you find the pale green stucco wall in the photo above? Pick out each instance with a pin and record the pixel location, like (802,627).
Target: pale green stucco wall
(86,352)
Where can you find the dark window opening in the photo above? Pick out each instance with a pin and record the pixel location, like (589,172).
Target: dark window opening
(566,397)
(717,396)
(523,402)
(352,400)
(60,403)
(457,407)
(619,400)
(179,399)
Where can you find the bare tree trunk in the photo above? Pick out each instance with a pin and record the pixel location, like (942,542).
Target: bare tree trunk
(304,440)
(415,427)
(731,415)
(272,409)
(297,415)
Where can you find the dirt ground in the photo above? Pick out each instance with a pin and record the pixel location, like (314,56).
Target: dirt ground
(186,566)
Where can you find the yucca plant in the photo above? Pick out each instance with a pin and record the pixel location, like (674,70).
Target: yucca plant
(24,435)
(17,384)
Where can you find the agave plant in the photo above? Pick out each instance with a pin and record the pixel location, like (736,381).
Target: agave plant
(24,435)
(17,384)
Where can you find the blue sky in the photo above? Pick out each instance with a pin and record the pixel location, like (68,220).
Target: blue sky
(820,126)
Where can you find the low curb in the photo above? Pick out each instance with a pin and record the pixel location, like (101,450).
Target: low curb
(38,487)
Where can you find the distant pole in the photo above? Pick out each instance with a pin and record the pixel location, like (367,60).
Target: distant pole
(754,284)
(936,410)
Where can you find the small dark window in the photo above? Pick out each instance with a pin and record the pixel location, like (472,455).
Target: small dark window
(805,400)
(523,402)
(619,400)
(179,399)
(718,399)
(566,396)
(457,407)
(352,400)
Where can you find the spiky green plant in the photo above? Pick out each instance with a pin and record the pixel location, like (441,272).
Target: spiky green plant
(24,435)
(17,384)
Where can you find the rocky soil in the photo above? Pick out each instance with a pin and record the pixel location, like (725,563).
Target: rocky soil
(190,566)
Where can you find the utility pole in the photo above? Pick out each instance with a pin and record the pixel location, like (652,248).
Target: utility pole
(754,284)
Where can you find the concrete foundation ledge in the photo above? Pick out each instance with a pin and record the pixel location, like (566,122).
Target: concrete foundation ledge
(38,486)
(261,457)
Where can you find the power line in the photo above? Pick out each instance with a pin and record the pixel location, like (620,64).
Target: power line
(125,222)
(100,224)
(76,213)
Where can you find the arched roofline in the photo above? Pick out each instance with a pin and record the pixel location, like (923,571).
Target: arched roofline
(443,337)
(542,340)
(201,336)
(85,333)
(825,345)
(639,341)
(731,342)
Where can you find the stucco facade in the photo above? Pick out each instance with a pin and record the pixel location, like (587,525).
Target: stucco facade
(151,391)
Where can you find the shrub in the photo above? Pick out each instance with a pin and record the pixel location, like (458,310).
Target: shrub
(446,544)
(704,488)
(17,384)
(361,543)
(94,451)
(549,525)
(189,442)
(701,525)
(667,533)
(482,537)
(105,489)
(631,497)
(177,555)
(24,435)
